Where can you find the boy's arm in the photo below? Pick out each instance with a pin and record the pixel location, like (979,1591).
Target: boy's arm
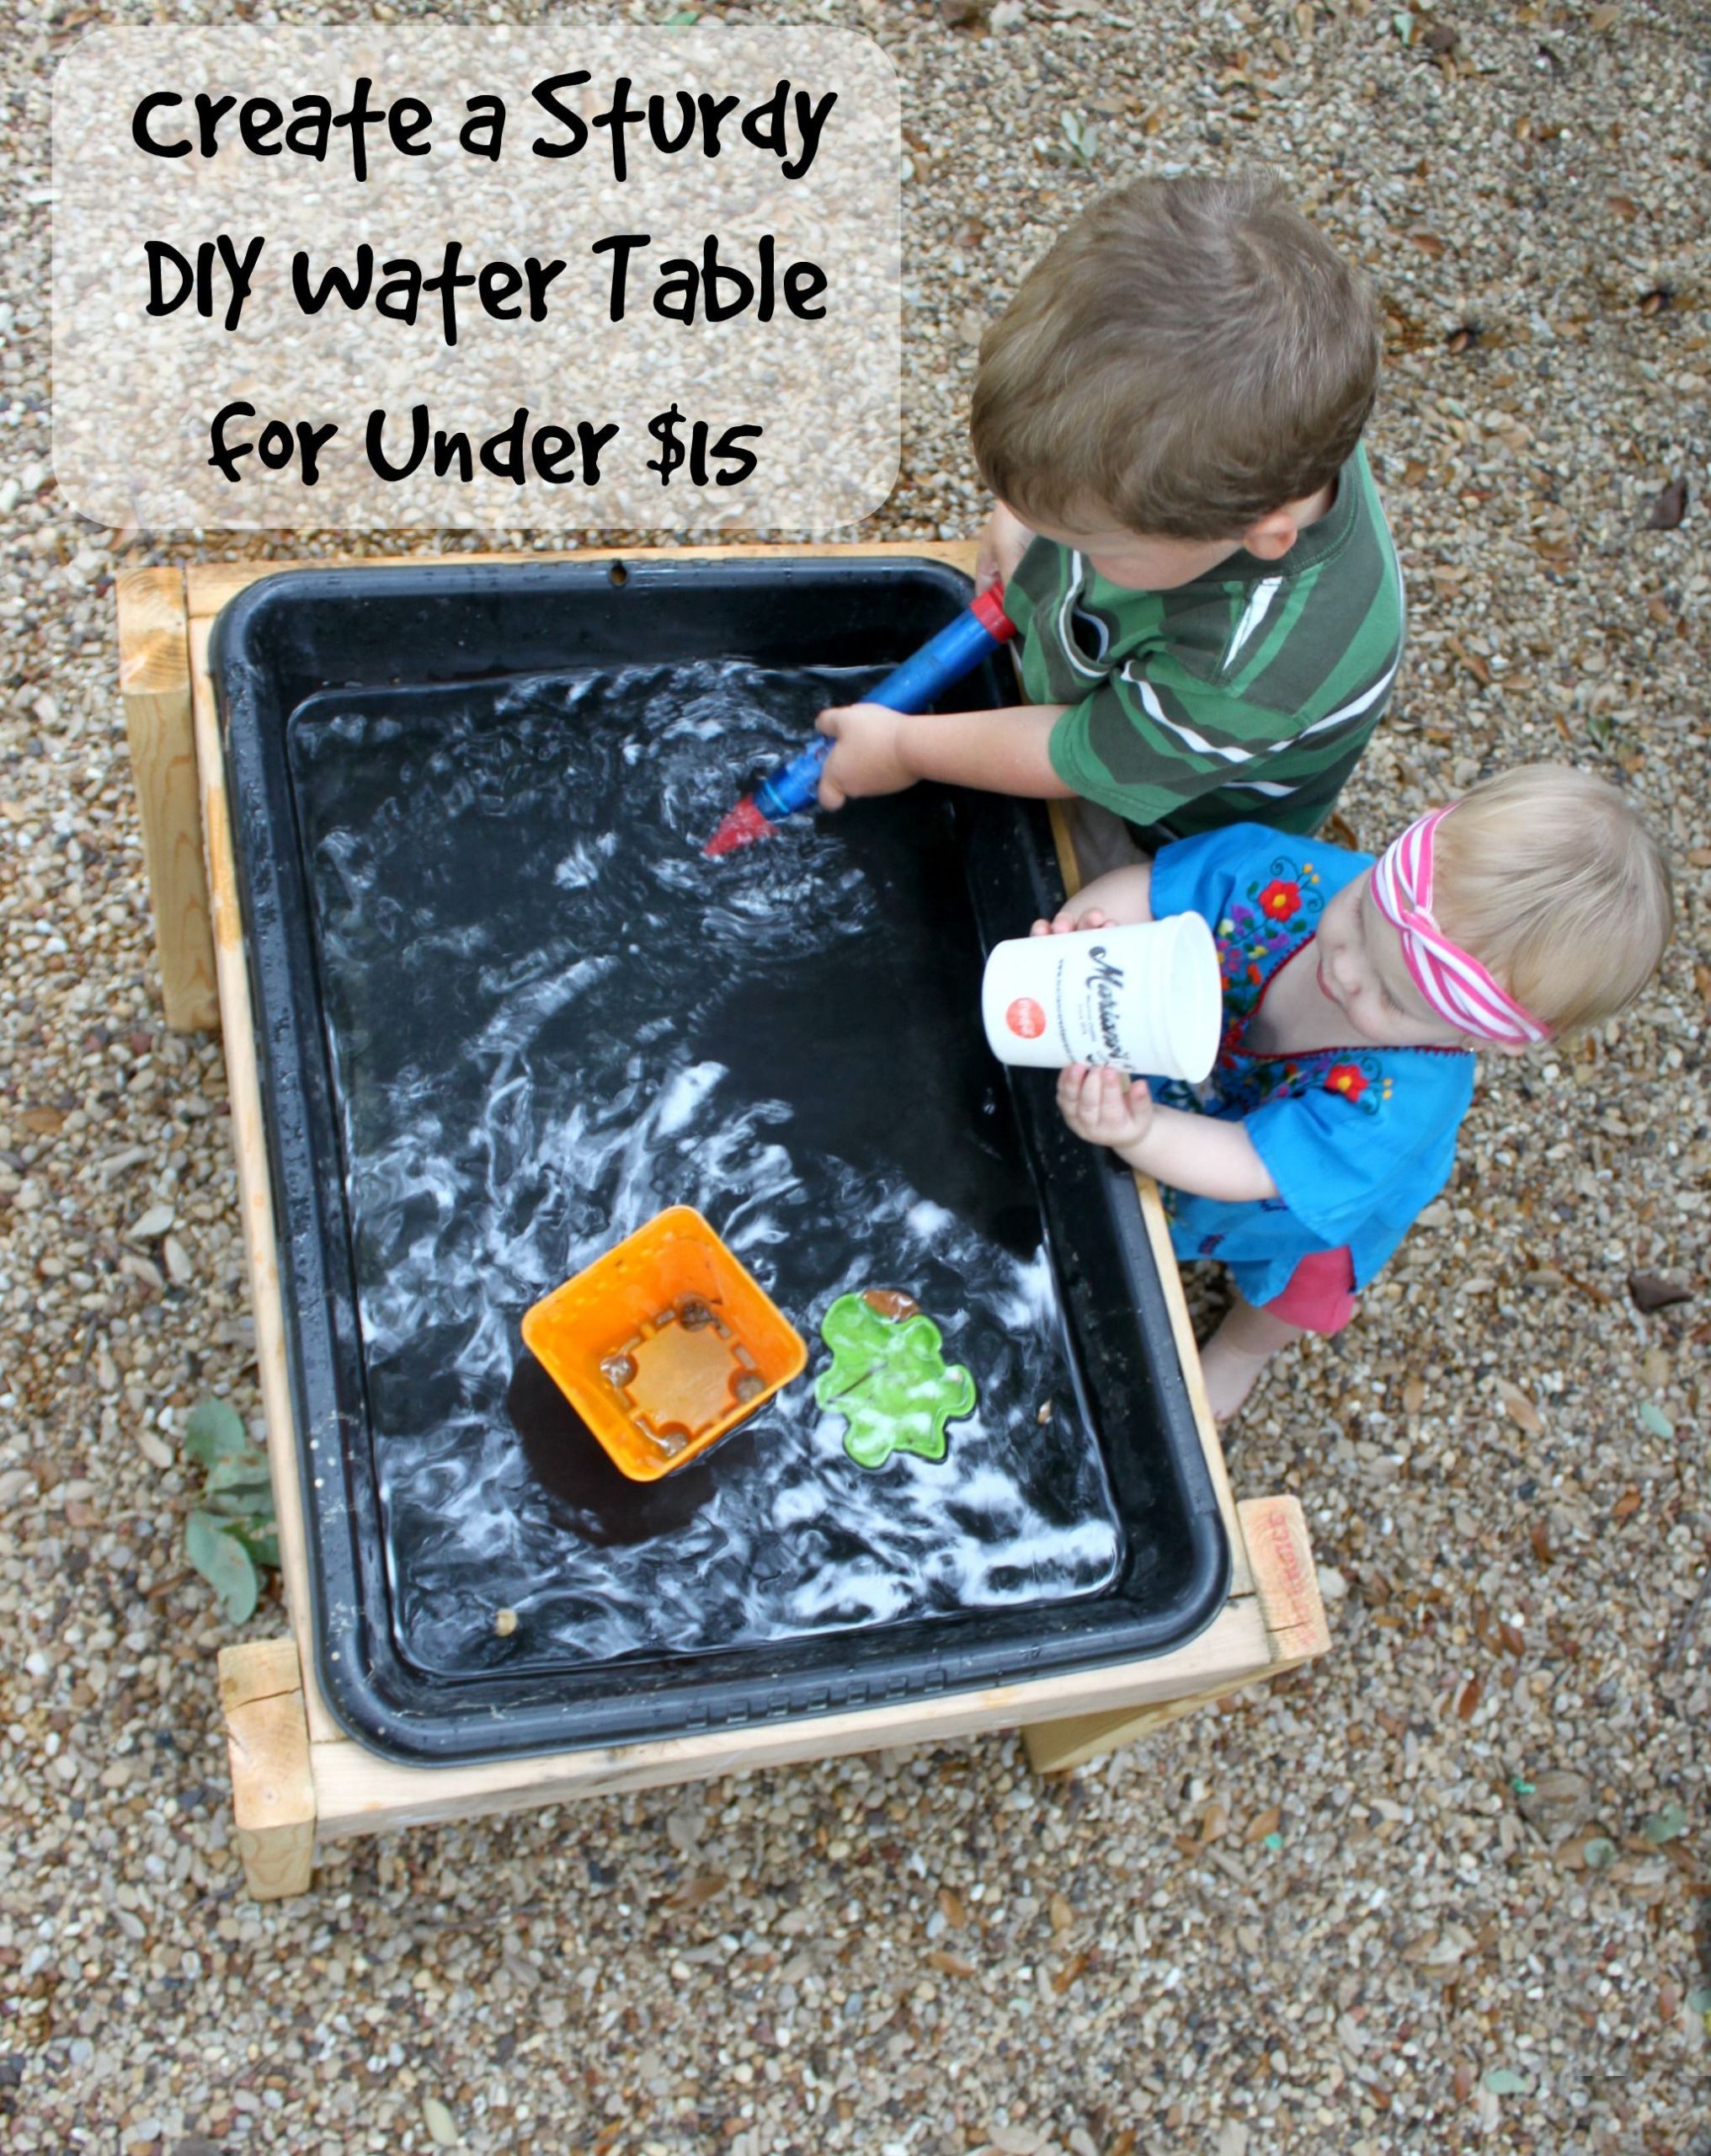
(881,751)
(1198,1153)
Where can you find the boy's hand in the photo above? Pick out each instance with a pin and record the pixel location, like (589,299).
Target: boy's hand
(868,757)
(1102,1106)
(1003,540)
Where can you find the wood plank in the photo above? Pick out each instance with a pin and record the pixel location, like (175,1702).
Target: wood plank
(357,1793)
(1285,1577)
(1171,1279)
(154,683)
(1274,1532)
(273,1787)
(1058,1747)
(254,1185)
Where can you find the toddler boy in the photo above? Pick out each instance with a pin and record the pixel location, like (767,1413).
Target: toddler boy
(1209,605)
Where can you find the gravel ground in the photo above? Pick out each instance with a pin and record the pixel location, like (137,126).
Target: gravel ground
(1443,1891)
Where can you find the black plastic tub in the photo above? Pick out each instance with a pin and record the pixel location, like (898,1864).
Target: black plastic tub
(353,705)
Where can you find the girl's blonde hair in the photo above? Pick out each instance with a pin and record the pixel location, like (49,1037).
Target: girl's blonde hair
(1550,878)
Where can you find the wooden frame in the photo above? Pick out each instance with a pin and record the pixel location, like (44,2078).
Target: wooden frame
(297,1778)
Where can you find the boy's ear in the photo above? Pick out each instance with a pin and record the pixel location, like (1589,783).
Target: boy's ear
(1269,537)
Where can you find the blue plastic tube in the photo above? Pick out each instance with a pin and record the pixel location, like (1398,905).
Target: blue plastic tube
(958,648)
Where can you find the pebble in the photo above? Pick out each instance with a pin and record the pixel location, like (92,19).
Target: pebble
(156,1453)
(439,2123)
(1556,1800)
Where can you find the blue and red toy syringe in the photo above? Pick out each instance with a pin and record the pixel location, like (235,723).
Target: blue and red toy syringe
(956,651)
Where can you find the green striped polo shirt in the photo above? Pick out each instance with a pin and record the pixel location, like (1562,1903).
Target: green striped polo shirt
(1245,694)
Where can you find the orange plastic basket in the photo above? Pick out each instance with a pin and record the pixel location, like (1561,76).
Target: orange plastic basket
(665,1345)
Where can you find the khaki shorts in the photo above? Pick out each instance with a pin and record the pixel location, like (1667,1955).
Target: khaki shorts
(1104,841)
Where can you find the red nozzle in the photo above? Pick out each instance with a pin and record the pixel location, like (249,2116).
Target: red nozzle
(988,612)
(743,826)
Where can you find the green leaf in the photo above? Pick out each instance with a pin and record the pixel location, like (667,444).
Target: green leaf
(1404,27)
(261,1542)
(243,1474)
(1504,2081)
(1655,1420)
(1599,1853)
(224,1562)
(683,18)
(1667,1825)
(213,1431)
(1699,2000)
(1082,136)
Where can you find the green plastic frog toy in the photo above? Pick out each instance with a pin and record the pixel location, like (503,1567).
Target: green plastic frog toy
(888,1379)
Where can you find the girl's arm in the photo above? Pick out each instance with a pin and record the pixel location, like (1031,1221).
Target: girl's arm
(1123,897)
(1197,1153)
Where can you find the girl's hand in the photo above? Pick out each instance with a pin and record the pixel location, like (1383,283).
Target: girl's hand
(867,758)
(1069,921)
(1104,1107)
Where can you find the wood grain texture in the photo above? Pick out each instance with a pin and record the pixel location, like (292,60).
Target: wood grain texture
(1285,1577)
(154,682)
(273,1787)
(357,1793)
(1285,1581)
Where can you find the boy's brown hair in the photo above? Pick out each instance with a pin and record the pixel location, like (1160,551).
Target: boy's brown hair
(1190,355)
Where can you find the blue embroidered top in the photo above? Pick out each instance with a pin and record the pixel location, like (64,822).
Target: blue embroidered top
(1357,1140)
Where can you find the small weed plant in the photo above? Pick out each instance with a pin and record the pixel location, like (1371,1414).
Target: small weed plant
(232,1533)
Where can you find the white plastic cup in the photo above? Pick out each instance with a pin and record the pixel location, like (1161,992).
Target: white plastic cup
(1147,998)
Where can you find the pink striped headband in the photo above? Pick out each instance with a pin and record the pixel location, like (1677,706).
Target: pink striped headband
(1458,987)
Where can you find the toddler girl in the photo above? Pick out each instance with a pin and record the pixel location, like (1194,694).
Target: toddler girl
(1355,992)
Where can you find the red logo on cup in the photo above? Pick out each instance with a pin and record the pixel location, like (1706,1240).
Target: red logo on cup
(1026,1018)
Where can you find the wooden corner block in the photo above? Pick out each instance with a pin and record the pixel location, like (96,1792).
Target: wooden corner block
(273,1783)
(1286,1579)
(154,652)
(154,679)
(260,1669)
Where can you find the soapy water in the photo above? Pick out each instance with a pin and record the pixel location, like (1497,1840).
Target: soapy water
(550,1018)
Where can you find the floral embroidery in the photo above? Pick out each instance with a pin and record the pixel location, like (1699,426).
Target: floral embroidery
(1276,914)
(1281,898)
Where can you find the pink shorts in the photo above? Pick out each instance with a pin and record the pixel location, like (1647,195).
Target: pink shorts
(1320,1296)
